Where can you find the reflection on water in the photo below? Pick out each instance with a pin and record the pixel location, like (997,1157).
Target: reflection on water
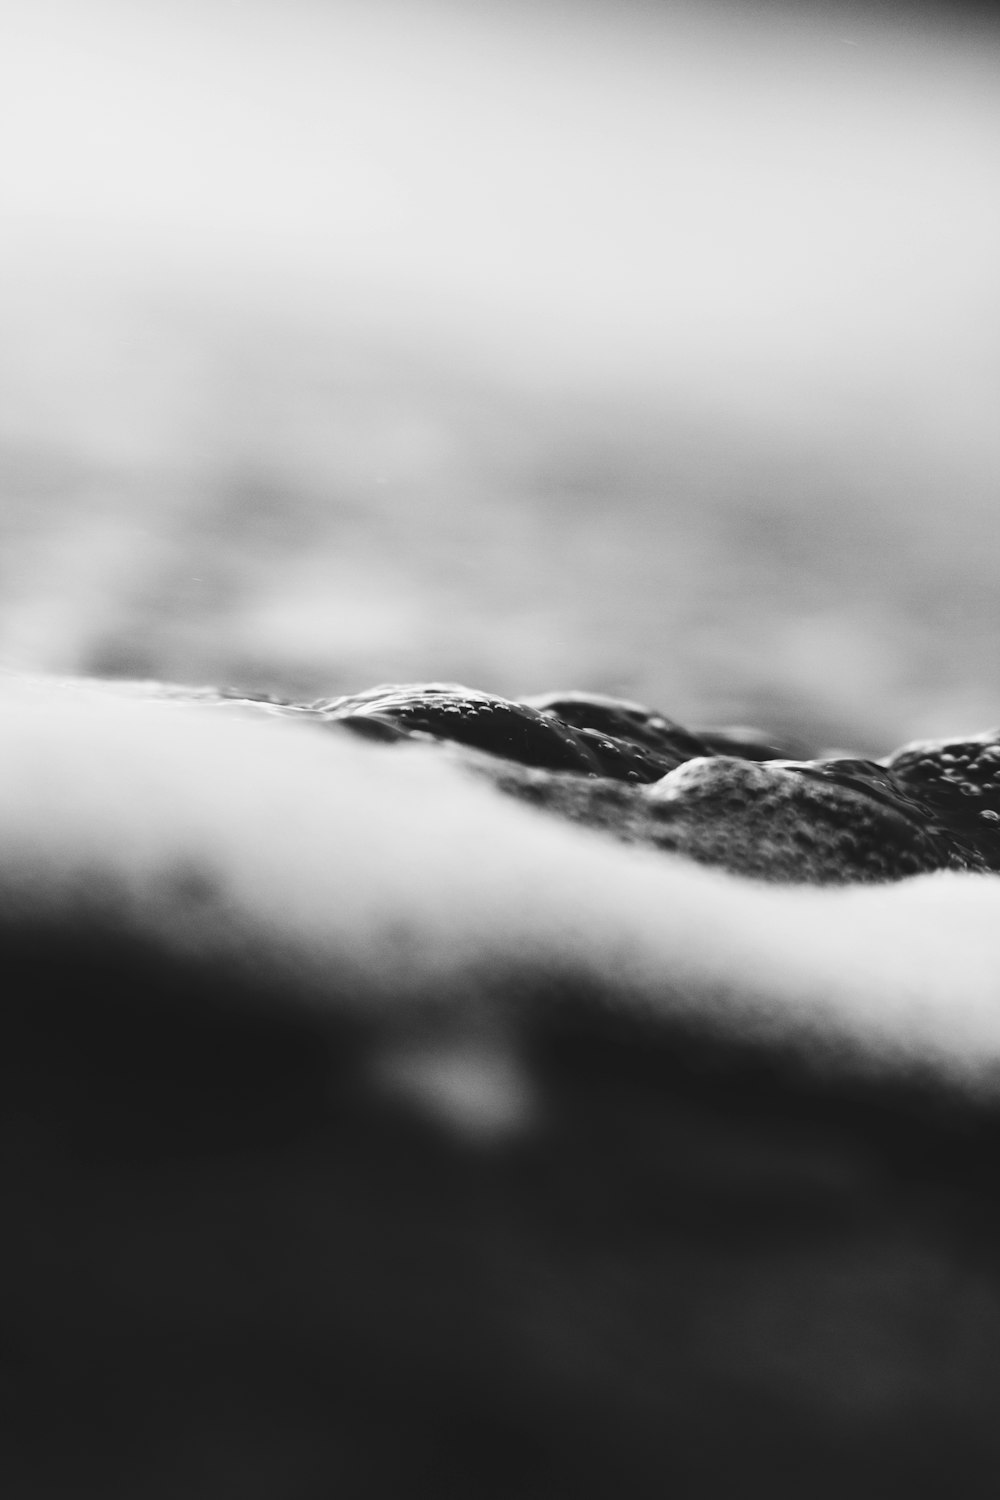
(623,347)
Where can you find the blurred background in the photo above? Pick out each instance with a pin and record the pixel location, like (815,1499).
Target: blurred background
(625,345)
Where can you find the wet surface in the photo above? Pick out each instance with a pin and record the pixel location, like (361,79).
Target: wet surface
(726,797)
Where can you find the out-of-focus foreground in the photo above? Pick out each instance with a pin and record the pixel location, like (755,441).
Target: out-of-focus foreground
(366,1134)
(635,348)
